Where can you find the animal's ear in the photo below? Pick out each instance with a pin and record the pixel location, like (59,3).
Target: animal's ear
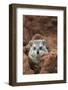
(44,42)
(31,42)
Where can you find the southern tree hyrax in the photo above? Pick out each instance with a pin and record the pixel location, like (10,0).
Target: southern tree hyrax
(38,48)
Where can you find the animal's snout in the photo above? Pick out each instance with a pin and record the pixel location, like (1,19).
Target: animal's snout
(37,52)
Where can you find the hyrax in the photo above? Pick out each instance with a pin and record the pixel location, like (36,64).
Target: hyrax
(37,49)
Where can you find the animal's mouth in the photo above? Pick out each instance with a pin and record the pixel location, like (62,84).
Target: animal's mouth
(34,56)
(38,56)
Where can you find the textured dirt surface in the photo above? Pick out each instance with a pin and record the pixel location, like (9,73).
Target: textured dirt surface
(40,27)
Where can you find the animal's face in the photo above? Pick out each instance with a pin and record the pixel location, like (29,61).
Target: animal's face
(38,48)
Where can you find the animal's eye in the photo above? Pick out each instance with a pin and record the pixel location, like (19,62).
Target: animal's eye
(34,48)
(40,48)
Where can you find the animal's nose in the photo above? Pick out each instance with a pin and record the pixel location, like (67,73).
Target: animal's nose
(37,52)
